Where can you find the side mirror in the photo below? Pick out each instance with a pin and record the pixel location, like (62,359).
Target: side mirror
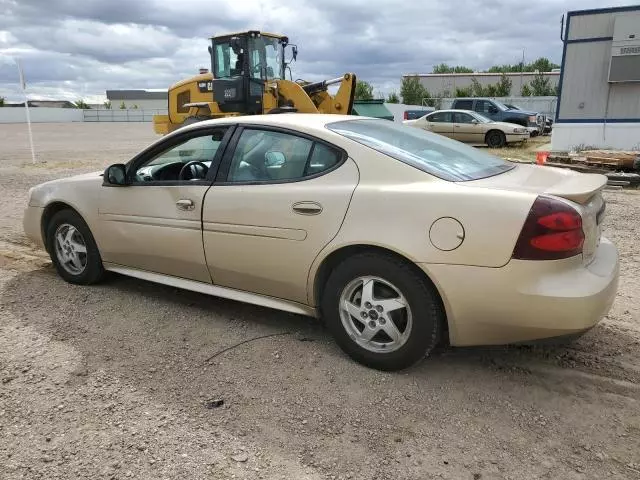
(116,175)
(474,121)
(294,51)
(210,50)
(274,159)
(493,109)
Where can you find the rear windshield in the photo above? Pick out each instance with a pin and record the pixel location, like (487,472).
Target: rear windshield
(444,158)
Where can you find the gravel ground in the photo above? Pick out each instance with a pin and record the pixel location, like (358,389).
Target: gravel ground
(114,381)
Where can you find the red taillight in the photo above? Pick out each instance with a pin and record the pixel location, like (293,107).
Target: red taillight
(406,115)
(552,230)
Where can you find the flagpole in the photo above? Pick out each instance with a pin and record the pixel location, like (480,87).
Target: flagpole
(26,109)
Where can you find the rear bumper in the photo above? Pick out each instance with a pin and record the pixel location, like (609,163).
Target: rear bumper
(526,300)
(32,223)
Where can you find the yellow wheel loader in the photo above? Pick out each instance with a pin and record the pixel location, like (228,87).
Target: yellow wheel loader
(248,78)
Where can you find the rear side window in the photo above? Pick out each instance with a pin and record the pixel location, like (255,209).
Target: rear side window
(440,117)
(426,151)
(464,104)
(322,158)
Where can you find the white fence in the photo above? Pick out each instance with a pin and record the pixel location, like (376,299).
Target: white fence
(127,115)
(40,115)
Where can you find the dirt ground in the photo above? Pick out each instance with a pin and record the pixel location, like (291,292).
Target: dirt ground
(113,381)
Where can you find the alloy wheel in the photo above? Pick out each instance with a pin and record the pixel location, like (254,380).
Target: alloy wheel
(375,314)
(71,249)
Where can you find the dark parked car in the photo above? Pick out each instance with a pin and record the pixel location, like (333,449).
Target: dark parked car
(499,112)
(413,114)
(548,122)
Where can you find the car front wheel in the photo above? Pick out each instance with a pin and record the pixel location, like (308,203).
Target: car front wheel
(72,248)
(496,139)
(382,312)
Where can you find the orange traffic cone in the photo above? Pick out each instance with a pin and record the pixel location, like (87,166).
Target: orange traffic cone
(541,157)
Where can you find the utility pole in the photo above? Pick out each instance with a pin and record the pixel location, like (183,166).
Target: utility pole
(522,72)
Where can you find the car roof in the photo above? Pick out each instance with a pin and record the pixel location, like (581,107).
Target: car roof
(305,120)
(459,110)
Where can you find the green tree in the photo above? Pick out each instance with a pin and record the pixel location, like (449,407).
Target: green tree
(81,104)
(503,87)
(541,64)
(393,98)
(107,104)
(1,101)
(444,68)
(525,91)
(463,92)
(413,92)
(477,90)
(123,106)
(135,106)
(364,90)
(541,86)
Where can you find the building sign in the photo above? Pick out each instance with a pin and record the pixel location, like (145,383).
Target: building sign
(630,50)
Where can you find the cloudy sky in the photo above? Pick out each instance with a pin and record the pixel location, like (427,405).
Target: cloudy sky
(79,48)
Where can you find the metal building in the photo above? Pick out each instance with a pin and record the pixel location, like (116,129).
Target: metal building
(599,97)
(445,84)
(142,99)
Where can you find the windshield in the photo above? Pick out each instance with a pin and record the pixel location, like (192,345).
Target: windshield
(265,61)
(500,105)
(426,151)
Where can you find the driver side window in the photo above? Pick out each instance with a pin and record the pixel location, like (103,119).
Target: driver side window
(188,160)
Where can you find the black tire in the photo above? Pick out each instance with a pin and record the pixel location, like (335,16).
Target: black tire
(428,317)
(496,139)
(93,270)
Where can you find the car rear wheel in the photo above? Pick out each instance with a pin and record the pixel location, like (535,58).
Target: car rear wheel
(72,248)
(382,312)
(496,139)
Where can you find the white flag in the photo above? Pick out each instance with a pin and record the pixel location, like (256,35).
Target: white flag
(22,82)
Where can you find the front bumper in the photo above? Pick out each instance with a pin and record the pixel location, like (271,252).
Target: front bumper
(32,224)
(517,137)
(526,300)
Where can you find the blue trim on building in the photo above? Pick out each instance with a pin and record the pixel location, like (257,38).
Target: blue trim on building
(598,120)
(589,40)
(564,56)
(596,11)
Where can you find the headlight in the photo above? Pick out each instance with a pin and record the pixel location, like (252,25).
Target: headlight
(520,130)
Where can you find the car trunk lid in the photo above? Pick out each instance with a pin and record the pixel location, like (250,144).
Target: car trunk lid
(583,191)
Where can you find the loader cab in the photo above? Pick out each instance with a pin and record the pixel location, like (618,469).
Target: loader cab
(241,64)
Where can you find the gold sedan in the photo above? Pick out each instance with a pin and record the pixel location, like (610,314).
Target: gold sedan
(471,127)
(397,237)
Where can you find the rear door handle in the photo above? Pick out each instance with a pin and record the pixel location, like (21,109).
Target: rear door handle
(307,208)
(185,204)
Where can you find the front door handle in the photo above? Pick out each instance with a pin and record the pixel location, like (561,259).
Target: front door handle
(307,208)
(185,204)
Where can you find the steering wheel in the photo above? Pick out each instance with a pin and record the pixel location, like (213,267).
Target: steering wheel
(194,170)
